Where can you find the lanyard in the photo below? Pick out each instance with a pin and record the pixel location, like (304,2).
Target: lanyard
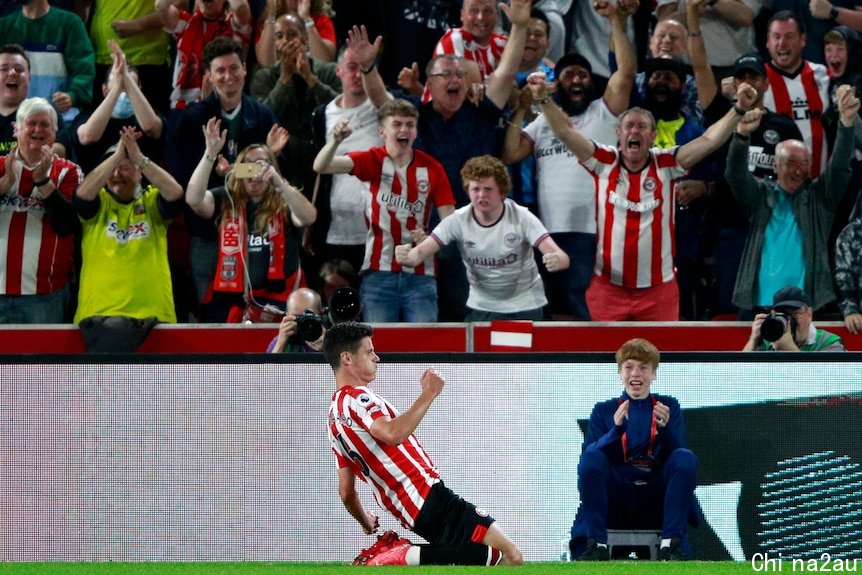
(653,434)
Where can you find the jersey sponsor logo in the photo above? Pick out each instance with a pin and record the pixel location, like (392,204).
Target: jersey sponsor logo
(758,158)
(555,149)
(257,240)
(136,231)
(493,262)
(801,110)
(20,203)
(396,202)
(641,207)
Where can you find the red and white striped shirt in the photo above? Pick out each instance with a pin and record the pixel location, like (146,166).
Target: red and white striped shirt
(400,475)
(802,98)
(461,43)
(35,260)
(635,217)
(192,33)
(401,201)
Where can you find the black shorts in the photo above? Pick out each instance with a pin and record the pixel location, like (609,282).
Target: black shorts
(446,519)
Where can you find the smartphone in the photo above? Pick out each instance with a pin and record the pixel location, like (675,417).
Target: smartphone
(245,170)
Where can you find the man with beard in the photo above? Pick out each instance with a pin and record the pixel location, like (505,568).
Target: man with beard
(635,192)
(668,40)
(664,96)
(565,193)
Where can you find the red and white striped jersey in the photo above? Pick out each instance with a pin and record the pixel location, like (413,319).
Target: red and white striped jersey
(461,43)
(35,260)
(802,98)
(635,217)
(191,34)
(400,475)
(401,200)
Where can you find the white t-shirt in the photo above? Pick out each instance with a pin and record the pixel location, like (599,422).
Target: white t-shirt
(566,194)
(499,258)
(349,196)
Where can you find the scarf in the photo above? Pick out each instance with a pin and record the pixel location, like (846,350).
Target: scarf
(230,270)
(190,47)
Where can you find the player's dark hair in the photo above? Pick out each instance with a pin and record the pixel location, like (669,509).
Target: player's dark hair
(16,49)
(539,14)
(344,336)
(785,15)
(222,46)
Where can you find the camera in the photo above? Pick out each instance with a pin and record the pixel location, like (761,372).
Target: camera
(774,326)
(344,306)
(309,326)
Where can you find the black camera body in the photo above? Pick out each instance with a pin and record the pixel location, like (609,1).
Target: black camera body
(309,327)
(774,326)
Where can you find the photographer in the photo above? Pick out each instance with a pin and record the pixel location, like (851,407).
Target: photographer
(290,332)
(789,326)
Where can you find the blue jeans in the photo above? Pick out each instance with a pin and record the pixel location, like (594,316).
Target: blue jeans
(566,289)
(47,308)
(611,496)
(398,296)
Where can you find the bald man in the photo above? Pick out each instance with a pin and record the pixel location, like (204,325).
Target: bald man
(298,302)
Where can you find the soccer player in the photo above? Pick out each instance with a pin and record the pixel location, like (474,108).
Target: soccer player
(372,441)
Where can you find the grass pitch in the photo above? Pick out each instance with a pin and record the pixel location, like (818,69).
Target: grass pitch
(609,568)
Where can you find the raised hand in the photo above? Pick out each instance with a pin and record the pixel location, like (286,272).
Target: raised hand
(662,414)
(518,11)
(363,49)
(432,382)
(539,85)
(129,140)
(9,177)
(214,136)
(408,79)
(622,413)
(848,104)
(277,139)
(341,131)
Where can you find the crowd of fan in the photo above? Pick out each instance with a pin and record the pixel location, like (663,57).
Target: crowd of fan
(201,161)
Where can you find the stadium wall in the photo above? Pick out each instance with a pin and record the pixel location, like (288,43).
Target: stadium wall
(446,337)
(225,458)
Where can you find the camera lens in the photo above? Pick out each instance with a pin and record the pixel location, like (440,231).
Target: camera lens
(773,327)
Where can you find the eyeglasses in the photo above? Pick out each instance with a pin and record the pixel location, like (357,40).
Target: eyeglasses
(794,164)
(446,74)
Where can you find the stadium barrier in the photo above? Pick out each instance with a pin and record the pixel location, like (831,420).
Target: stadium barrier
(439,337)
(225,457)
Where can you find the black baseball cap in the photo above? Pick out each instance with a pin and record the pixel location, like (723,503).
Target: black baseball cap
(672,64)
(572,59)
(752,62)
(790,297)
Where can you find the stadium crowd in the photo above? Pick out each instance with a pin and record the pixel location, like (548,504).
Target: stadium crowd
(199,161)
